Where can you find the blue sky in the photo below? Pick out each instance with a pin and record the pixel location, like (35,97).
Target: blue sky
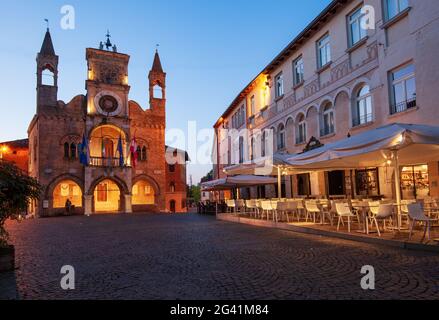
(209,49)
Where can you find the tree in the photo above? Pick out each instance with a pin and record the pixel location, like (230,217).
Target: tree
(194,193)
(17,190)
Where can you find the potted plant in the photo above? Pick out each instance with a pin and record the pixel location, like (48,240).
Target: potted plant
(17,189)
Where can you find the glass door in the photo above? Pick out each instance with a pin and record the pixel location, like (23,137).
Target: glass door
(415,182)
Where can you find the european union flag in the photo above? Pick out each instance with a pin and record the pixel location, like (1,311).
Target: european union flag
(83,152)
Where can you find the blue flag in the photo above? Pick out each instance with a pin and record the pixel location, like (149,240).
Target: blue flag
(120,150)
(83,152)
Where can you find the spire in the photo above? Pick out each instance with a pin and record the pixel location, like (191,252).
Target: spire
(157,65)
(47,47)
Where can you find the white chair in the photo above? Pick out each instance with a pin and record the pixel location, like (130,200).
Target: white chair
(250,206)
(313,209)
(266,208)
(344,211)
(231,206)
(274,205)
(416,214)
(240,206)
(380,212)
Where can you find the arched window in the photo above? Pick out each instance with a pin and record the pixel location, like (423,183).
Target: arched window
(241,149)
(66,150)
(327,120)
(157,92)
(281,137)
(172,187)
(48,76)
(73,151)
(139,153)
(362,112)
(301,129)
(144,156)
(171,168)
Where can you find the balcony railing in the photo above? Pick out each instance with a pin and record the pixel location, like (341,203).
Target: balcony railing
(327,131)
(105,162)
(362,120)
(403,106)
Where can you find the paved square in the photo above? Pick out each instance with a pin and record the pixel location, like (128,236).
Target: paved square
(197,257)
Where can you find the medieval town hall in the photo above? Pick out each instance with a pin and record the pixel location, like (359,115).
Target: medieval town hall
(124,145)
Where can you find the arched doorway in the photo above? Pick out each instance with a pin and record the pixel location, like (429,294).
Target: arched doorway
(67,190)
(143,193)
(107,197)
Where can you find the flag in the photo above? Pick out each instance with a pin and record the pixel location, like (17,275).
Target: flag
(83,152)
(120,150)
(133,151)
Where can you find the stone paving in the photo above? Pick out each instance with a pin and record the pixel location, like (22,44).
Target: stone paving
(198,257)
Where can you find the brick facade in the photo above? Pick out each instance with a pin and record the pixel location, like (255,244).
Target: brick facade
(106,117)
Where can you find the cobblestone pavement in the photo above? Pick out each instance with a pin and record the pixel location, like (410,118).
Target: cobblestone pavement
(197,257)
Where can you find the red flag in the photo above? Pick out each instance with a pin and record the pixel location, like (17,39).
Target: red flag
(133,151)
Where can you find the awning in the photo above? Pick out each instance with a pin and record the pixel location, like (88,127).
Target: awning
(415,144)
(241,181)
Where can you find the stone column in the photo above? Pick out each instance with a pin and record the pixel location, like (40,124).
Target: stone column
(128,204)
(88,205)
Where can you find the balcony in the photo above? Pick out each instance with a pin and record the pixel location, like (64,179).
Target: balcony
(105,162)
(403,106)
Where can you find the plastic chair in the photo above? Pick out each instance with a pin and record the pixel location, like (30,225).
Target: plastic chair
(416,214)
(344,211)
(380,212)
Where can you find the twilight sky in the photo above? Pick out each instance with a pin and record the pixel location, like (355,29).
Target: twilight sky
(209,49)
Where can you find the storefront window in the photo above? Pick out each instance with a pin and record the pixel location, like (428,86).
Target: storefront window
(415,182)
(367,182)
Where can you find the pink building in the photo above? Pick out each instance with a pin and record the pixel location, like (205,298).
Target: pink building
(358,66)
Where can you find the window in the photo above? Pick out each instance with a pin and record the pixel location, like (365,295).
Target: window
(362,113)
(263,143)
(281,137)
(298,71)
(172,187)
(171,168)
(144,155)
(252,106)
(253,149)
(241,149)
(73,151)
(403,95)
(356,32)
(301,130)
(66,150)
(279,85)
(328,120)
(394,7)
(324,51)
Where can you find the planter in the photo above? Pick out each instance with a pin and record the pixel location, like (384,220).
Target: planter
(7,258)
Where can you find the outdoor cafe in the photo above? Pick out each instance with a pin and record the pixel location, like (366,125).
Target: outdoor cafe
(394,147)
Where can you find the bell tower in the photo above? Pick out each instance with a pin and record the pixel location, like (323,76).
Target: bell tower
(157,86)
(47,74)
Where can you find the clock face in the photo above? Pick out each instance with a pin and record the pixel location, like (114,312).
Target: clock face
(108,104)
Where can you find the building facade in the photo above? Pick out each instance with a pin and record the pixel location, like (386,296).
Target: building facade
(113,126)
(358,66)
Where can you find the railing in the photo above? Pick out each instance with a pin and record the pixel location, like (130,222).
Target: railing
(362,119)
(403,106)
(105,162)
(326,131)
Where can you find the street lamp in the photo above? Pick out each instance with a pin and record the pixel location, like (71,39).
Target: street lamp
(3,149)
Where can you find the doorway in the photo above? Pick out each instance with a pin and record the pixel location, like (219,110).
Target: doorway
(303,184)
(107,197)
(415,182)
(335,183)
(172,206)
